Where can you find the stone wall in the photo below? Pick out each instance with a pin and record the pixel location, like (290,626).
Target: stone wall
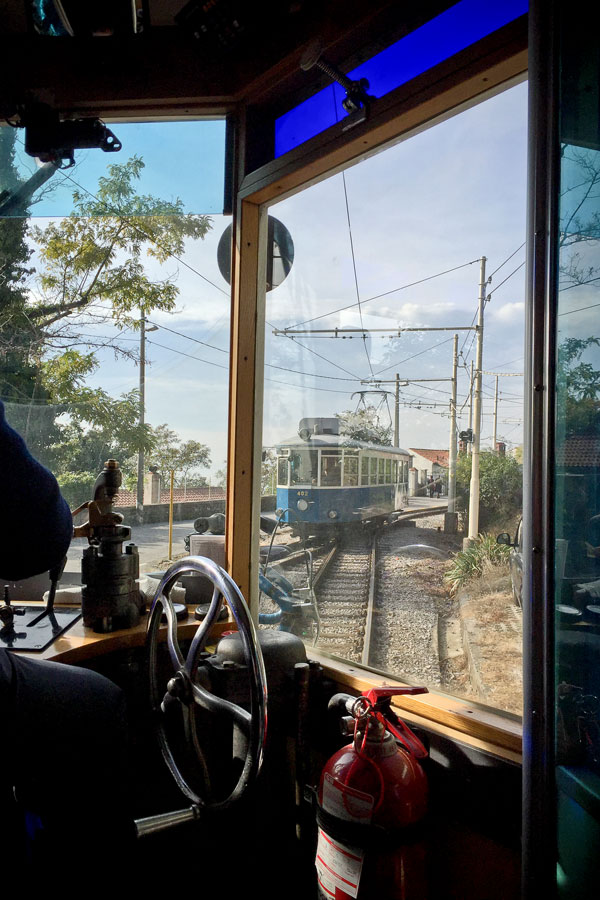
(183,511)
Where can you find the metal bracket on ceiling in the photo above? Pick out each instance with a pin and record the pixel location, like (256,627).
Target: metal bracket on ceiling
(356,102)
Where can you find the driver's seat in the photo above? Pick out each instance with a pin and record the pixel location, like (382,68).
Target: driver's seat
(65,771)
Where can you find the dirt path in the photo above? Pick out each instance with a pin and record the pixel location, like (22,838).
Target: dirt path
(479,630)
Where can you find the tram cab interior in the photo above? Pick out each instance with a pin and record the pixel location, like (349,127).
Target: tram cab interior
(504,807)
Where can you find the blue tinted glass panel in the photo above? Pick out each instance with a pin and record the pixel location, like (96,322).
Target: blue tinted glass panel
(449,33)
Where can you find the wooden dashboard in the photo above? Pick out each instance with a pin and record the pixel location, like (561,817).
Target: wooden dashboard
(80,644)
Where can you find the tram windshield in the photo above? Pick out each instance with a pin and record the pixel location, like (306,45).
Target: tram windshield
(331,468)
(304,466)
(370,313)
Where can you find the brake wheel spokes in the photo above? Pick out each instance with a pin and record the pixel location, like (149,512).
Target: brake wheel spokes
(185,691)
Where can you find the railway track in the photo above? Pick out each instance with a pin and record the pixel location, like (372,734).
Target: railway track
(372,600)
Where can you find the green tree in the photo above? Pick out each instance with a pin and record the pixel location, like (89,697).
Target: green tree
(168,452)
(268,472)
(363,425)
(93,260)
(92,269)
(500,489)
(578,386)
(17,373)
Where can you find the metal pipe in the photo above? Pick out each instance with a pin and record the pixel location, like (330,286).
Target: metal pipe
(164,821)
(171,514)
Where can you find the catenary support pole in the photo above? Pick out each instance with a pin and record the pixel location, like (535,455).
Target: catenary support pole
(495,436)
(397,413)
(471,392)
(450,519)
(141,416)
(474,485)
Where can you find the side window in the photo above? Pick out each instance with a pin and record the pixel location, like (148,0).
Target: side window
(350,470)
(331,468)
(106,325)
(373,470)
(282,471)
(364,470)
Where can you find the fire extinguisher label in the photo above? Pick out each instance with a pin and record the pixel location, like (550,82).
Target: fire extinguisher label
(338,867)
(346,802)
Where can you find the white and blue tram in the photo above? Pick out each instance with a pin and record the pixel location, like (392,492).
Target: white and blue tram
(324,479)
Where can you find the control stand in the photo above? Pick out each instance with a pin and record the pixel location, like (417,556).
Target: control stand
(110,595)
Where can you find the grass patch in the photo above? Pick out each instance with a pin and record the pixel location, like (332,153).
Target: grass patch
(484,556)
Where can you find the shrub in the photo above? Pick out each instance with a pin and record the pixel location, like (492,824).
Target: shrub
(76,487)
(500,489)
(483,554)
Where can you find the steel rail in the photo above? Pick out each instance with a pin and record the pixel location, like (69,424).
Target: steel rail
(366,652)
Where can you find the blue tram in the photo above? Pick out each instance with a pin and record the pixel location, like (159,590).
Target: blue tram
(324,479)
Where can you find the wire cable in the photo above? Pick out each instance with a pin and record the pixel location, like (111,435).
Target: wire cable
(385,294)
(506,260)
(414,356)
(354,270)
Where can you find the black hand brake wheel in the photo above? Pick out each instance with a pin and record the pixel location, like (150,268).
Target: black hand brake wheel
(184,689)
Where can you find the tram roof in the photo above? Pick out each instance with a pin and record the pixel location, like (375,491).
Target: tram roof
(332,441)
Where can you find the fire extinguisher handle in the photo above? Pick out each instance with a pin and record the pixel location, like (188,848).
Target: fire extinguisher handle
(395,725)
(376,694)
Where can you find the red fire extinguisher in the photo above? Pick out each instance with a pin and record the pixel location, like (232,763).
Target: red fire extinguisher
(372,800)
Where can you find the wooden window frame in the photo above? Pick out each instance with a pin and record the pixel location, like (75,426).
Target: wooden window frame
(482,70)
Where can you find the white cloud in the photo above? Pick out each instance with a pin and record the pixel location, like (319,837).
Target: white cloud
(508,313)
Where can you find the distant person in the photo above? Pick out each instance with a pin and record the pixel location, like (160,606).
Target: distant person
(431,485)
(438,487)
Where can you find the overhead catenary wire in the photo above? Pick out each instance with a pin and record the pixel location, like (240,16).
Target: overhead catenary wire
(354,269)
(498,286)
(514,253)
(385,294)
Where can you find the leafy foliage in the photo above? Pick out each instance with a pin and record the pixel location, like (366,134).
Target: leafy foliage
(95,255)
(363,425)
(578,386)
(168,452)
(268,473)
(484,554)
(500,488)
(92,269)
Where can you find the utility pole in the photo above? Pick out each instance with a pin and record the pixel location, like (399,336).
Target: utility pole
(472,383)
(474,485)
(141,416)
(498,375)
(450,519)
(397,413)
(142,411)
(495,437)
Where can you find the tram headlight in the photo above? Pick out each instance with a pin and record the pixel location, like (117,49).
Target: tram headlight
(302,505)
(332,514)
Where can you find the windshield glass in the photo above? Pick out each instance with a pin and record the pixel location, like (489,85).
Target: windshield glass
(303,466)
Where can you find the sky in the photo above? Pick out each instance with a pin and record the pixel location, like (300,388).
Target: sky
(436,201)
